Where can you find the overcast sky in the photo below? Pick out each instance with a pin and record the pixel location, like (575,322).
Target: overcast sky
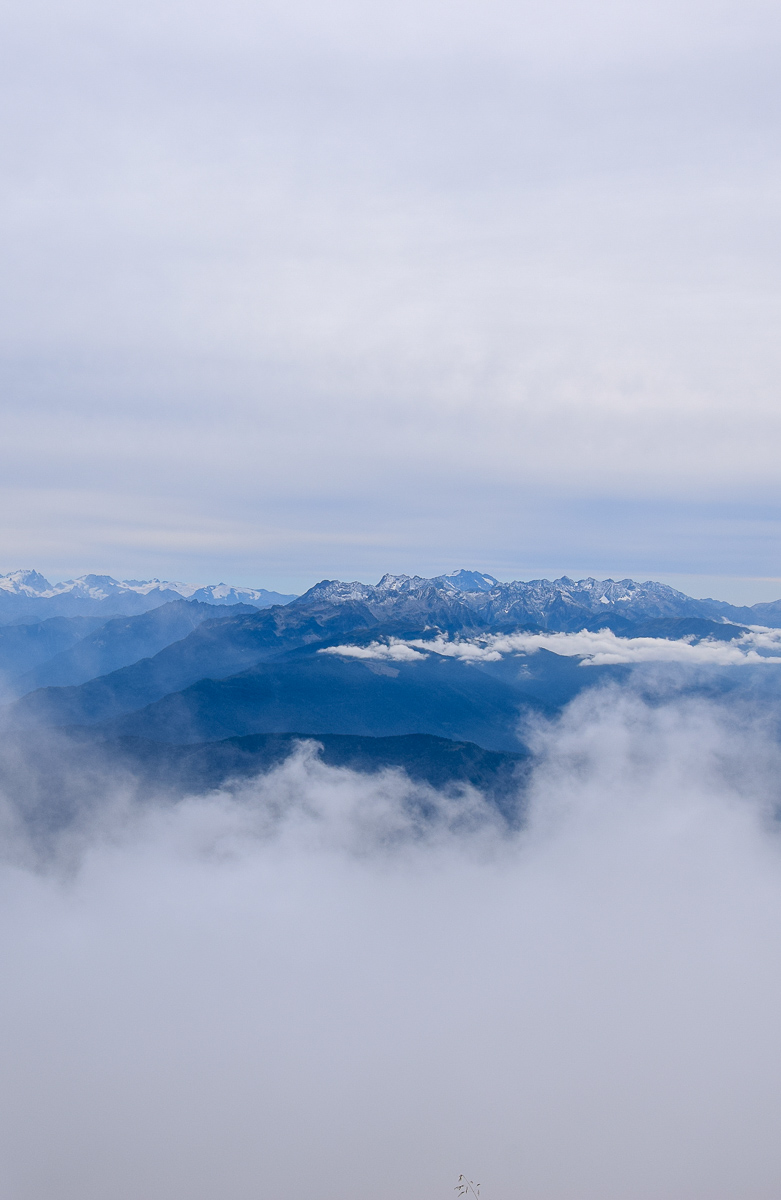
(326,289)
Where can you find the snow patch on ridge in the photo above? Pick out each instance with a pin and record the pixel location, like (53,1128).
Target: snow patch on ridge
(104,587)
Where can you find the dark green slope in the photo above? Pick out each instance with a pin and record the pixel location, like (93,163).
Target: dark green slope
(675,628)
(219,647)
(25,646)
(440,762)
(53,782)
(121,643)
(311,691)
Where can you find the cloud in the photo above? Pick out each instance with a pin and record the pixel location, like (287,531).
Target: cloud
(598,648)
(394,650)
(300,988)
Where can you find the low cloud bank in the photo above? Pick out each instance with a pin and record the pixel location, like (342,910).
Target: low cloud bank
(317,985)
(599,648)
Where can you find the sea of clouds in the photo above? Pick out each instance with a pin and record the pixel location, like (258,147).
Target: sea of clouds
(302,987)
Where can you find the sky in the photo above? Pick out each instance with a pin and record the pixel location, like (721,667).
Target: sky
(294,291)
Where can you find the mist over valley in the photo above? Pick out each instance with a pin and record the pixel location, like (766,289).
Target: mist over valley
(434,873)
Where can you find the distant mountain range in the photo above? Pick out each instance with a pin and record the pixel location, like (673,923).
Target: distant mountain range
(28,595)
(462,599)
(405,670)
(466,599)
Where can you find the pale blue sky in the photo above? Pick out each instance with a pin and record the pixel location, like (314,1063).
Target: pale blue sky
(302,290)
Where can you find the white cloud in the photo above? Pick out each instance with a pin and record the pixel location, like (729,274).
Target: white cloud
(598,648)
(302,988)
(392,651)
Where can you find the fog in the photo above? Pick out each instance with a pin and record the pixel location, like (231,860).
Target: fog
(301,987)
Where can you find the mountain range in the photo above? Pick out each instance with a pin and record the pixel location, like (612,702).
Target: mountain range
(203,688)
(469,599)
(26,595)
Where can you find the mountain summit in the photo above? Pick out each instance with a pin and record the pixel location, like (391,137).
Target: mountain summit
(26,593)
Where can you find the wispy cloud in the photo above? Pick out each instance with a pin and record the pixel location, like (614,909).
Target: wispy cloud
(599,648)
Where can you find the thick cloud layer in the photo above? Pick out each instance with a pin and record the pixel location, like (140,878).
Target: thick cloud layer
(303,989)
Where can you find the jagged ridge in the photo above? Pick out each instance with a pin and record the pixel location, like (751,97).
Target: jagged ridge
(27,592)
(560,604)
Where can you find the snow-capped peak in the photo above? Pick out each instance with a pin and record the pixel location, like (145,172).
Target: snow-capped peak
(470,581)
(25,582)
(29,584)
